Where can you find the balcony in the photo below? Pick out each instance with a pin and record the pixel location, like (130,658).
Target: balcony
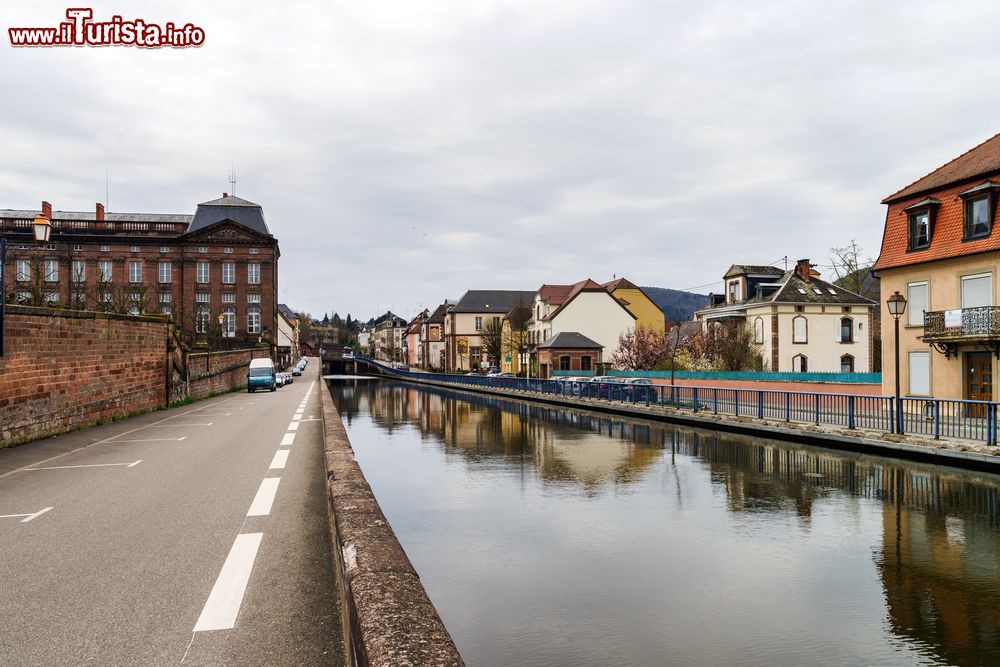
(945,329)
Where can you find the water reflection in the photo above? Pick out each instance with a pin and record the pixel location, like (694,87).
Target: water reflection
(932,553)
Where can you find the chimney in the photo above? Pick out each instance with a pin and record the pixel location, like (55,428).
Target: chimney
(99,215)
(802,268)
(225,194)
(47,210)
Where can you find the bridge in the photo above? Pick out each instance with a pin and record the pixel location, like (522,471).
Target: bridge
(345,363)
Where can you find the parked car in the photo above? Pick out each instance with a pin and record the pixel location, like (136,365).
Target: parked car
(639,389)
(261,375)
(288,377)
(297,371)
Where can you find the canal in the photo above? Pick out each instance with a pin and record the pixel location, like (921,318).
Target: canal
(552,537)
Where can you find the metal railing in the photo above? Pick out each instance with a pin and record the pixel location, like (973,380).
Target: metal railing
(933,417)
(983,321)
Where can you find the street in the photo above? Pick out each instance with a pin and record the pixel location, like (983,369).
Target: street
(196,535)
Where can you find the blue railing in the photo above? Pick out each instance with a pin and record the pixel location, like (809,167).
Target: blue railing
(933,417)
(848,378)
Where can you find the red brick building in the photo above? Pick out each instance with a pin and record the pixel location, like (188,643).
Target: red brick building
(215,272)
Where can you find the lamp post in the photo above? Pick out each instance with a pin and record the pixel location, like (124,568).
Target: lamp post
(897,306)
(42,229)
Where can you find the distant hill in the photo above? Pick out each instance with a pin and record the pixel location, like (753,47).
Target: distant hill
(864,279)
(676,304)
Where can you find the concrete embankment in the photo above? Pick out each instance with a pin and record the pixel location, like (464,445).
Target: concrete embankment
(950,452)
(389,619)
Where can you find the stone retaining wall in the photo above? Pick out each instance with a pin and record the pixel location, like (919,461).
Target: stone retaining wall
(389,619)
(217,372)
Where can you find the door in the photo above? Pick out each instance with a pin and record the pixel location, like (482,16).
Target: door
(978,381)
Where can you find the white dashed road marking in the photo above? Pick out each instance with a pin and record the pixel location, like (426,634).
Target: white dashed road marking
(280,459)
(261,505)
(223,605)
(90,465)
(287,440)
(27,517)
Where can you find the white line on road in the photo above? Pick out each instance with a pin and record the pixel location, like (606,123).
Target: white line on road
(280,459)
(27,517)
(261,505)
(223,605)
(173,425)
(293,426)
(183,437)
(287,440)
(90,465)
(214,414)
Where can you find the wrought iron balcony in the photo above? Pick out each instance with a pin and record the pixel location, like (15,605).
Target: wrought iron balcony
(944,329)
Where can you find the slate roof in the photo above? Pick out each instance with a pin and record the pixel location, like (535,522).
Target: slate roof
(24,214)
(978,161)
(795,290)
(437,317)
(744,269)
(571,340)
(492,301)
(287,312)
(230,207)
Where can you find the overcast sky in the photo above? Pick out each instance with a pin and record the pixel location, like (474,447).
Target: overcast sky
(406,151)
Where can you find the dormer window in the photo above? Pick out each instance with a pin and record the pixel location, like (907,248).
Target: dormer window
(921,222)
(734,291)
(980,209)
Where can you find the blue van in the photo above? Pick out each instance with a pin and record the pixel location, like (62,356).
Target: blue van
(261,376)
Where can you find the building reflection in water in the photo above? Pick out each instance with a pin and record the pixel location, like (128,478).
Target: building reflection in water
(940,552)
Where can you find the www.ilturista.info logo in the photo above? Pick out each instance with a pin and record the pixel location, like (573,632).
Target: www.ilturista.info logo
(80,30)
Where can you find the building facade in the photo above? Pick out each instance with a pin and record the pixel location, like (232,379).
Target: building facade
(215,272)
(647,314)
(940,252)
(465,322)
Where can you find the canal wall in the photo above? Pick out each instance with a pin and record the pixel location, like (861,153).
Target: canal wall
(959,454)
(389,620)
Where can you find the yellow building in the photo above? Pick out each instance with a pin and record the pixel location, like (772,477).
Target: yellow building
(939,252)
(515,339)
(648,314)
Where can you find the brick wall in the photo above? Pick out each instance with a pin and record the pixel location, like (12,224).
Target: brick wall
(217,372)
(63,370)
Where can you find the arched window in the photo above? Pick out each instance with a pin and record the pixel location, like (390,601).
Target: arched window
(847,364)
(228,321)
(758,330)
(800,329)
(846,330)
(800,363)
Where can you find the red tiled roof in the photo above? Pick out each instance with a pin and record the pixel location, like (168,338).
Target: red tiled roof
(978,161)
(556,295)
(946,234)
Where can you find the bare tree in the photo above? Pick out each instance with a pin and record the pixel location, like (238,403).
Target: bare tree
(491,336)
(851,266)
(729,346)
(517,342)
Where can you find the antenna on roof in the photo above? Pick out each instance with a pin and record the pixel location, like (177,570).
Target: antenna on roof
(107,180)
(232,177)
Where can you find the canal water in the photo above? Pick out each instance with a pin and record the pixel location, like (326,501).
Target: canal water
(551,537)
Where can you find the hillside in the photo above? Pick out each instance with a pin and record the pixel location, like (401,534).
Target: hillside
(675,304)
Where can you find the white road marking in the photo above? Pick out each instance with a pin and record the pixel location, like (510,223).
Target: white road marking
(27,517)
(223,605)
(156,439)
(261,505)
(173,425)
(280,459)
(293,426)
(215,414)
(90,465)
(287,440)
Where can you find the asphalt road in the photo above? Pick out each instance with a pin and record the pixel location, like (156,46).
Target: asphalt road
(196,536)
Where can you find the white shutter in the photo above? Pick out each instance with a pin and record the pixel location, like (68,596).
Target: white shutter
(920,374)
(977,291)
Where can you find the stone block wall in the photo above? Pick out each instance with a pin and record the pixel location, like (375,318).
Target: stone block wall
(216,372)
(66,369)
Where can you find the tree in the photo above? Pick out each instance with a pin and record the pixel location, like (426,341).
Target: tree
(851,266)
(492,339)
(641,349)
(517,342)
(729,346)
(305,326)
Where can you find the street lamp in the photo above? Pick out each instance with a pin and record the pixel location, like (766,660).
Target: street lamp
(43,229)
(897,306)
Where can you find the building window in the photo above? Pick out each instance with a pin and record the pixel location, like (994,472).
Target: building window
(104,271)
(920,230)
(52,270)
(916,295)
(585,363)
(800,363)
(800,329)
(134,248)
(479,323)
(229,321)
(165,297)
(253,319)
(734,291)
(920,374)
(564,362)
(846,330)
(202,249)
(228,273)
(23,270)
(135,272)
(476,355)
(538,312)
(253,274)
(977,290)
(50,246)
(978,217)
(201,272)
(228,251)
(165,272)
(105,248)
(79,271)
(78,247)
(134,297)
(228,297)
(847,364)
(253,251)
(201,320)
(133,310)
(164,248)
(758,331)
(201,297)
(166,310)
(253,298)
